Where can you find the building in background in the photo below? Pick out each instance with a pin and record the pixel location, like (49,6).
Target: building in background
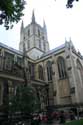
(56,75)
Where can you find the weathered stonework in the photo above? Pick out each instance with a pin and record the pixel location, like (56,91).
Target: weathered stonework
(61,90)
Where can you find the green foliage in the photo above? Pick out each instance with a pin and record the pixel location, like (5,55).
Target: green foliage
(75,122)
(70,3)
(24,100)
(10,12)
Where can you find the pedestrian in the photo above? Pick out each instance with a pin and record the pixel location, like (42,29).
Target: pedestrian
(72,116)
(32,120)
(62,117)
(38,119)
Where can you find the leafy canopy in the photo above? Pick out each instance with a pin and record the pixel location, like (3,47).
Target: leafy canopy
(70,3)
(24,100)
(10,12)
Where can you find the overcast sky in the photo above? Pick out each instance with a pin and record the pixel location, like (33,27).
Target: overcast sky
(61,23)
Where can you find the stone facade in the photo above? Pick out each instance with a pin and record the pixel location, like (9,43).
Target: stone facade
(58,72)
(35,38)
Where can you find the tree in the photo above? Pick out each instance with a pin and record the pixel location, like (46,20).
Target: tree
(70,3)
(24,100)
(10,12)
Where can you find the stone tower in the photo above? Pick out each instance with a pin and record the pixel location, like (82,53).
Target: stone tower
(35,39)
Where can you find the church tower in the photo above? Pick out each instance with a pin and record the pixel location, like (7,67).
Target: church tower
(35,39)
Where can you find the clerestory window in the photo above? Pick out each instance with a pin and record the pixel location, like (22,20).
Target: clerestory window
(49,70)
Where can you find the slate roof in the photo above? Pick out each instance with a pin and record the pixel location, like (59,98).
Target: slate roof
(10,48)
(53,50)
(19,52)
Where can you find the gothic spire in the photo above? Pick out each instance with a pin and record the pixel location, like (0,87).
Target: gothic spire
(70,39)
(44,26)
(33,17)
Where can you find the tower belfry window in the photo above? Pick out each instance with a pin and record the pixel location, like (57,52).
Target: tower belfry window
(40,44)
(24,37)
(44,46)
(28,32)
(43,37)
(38,32)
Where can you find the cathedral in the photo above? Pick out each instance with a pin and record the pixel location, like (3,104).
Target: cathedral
(56,75)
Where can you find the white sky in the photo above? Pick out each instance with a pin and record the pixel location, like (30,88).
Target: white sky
(61,23)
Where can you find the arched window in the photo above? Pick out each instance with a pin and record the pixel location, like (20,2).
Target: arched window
(61,68)
(49,70)
(80,70)
(40,71)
